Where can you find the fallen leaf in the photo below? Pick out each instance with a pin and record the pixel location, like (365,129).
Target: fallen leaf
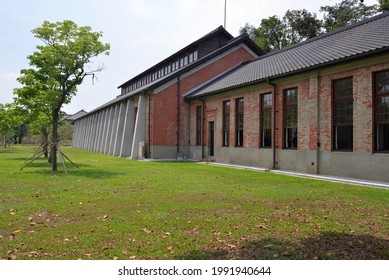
(170,249)
(262,226)
(146,230)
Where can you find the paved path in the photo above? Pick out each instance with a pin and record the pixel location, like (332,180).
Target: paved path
(376,184)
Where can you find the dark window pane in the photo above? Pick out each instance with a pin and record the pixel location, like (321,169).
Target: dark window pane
(291,138)
(383,109)
(266,138)
(239,122)
(382,82)
(343,137)
(343,87)
(383,137)
(344,112)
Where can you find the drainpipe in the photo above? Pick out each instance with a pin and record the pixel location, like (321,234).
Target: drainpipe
(202,128)
(178,115)
(318,123)
(274,121)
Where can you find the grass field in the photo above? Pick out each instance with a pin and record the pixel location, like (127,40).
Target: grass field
(113,208)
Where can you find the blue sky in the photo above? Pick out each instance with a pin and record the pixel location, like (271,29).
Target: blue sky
(141,33)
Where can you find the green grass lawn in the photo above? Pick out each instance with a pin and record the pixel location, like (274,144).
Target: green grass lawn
(113,208)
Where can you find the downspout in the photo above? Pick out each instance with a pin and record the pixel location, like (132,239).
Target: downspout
(202,127)
(318,124)
(178,115)
(274,121)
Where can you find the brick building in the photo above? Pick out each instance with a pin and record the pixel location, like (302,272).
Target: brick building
(321,106)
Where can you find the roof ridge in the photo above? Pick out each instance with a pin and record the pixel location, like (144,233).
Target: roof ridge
(325,35)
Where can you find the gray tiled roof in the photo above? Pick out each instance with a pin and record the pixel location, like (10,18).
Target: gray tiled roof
(154,84)
(353,41)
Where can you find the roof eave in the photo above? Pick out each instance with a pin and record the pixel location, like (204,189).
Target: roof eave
(315,67)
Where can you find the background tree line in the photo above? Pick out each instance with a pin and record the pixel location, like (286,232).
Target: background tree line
(295,26)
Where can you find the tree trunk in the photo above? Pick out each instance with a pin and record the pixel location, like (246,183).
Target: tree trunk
(54,141)
(45,141)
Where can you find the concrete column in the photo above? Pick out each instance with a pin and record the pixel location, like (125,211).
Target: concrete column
(74,135)
(113,130)
(88,138)
(85,133)
(94,134)
(98,132)
(128,130)
(104,131)
(109,130)
(140,127)
(119,130)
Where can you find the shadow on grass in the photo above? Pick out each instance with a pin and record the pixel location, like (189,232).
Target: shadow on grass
(41,166)
(328,245)
(7,151)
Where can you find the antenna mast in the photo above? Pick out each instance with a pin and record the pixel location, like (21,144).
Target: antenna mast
(225,13)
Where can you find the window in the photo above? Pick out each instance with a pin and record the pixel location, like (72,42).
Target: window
(226,123)
(190,57)
(381,96)
(343,114)
(290,113)
(198,125)
(195,55)
(266,109)
(186,60)
(239,122)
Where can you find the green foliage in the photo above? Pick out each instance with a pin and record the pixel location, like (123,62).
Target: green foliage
(295,26)
(301,25)
(272,34)
(10,120)
(383,5)
(345,13)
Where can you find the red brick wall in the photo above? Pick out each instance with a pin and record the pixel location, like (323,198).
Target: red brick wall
(308,130)
(164,103)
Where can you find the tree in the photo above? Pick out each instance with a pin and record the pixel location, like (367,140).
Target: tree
(275,33)
(345,13)
(272,34)
(32,100)
(301,25)
(59,67)
(9,121)
(383,5)
(250,30)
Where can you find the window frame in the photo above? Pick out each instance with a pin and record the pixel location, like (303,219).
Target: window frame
(239,122)
(226,123)
(265,129)
(376,122)
(290,128)
(335,124)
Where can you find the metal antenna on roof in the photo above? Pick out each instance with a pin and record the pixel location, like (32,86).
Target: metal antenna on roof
(225,13)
